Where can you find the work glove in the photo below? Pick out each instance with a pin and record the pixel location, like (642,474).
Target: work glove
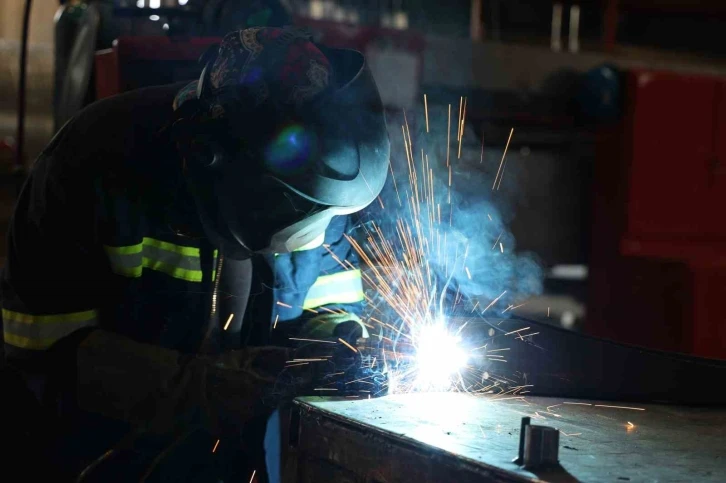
(346,370)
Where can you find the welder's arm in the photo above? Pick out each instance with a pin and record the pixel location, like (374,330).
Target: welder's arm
(337,296)
(50,283)
(162,390)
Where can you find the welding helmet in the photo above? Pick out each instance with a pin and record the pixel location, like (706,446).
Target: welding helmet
(279,136)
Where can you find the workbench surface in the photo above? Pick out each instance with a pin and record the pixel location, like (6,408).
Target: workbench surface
(597,443)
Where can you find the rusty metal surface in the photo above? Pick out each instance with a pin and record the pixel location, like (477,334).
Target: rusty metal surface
(455,437)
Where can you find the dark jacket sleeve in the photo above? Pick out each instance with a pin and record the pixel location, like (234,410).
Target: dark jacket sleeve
(50,280)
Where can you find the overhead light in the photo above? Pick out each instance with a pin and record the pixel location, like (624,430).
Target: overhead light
(165,26)
(183,2)
(140,3)
(154,18)
(154,3)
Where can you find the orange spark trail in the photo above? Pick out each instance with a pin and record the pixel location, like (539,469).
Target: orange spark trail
(501,163)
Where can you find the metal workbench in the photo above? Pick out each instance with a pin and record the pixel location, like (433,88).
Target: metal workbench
(450,437)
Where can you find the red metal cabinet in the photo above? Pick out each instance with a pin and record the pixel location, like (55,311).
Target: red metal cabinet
(135,62)
(658,260)
(717,175)
(671,131)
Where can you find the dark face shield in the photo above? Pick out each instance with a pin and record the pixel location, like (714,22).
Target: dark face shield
(277,174)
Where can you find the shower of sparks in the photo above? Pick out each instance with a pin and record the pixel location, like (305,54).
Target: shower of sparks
(411,260)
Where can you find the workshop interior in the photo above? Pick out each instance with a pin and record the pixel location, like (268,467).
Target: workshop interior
(534,264)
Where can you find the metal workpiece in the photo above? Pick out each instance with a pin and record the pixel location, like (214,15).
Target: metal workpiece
(457,437)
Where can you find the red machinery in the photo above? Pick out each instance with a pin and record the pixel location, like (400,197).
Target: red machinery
(658,264)
(135,62)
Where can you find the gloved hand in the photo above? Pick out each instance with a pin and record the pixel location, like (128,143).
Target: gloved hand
(344,371)
(350,331)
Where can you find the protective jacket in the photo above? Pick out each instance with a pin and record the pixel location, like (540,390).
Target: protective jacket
(105,234)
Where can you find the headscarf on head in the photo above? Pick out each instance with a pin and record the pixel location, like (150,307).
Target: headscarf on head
(294,73)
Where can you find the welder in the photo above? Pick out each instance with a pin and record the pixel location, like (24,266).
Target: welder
(171,242)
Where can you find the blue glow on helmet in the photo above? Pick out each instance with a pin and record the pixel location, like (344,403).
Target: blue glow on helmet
(289,151)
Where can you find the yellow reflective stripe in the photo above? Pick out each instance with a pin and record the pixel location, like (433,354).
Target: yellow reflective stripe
(38,332)
(173,270)
(127,250)
(27,342)
(175,260)
(339,288)
(171,247)
(45,319)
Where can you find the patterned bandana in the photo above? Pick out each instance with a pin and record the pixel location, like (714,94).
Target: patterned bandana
(265,63)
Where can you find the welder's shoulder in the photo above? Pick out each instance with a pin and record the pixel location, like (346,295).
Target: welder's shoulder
(115,128)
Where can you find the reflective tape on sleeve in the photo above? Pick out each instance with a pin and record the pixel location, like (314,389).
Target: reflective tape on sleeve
(175,260)
(338,288)
(38,332)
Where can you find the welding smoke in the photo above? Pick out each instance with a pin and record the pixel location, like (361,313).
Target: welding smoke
(477,258)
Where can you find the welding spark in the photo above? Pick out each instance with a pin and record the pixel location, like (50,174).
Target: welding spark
(215,446)
(228,321)
(619,407)
(411,259)
(439,357)
(252,478)
(347,345)
(314,340)
(500,171)
(426,107)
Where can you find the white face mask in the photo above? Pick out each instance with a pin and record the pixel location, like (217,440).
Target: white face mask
(305,231)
